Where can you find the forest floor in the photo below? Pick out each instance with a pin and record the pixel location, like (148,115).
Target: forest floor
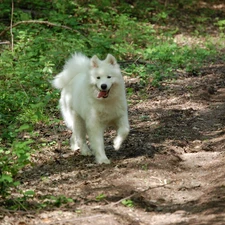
(170,170)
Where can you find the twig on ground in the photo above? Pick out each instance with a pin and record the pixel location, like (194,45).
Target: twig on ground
(138,193)
(11,211)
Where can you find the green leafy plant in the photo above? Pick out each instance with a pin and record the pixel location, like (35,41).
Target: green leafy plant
(56,201)
(100,197)
(13,159)
(128,203)
(221,25)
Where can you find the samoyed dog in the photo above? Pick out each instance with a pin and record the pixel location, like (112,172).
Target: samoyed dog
(92,99)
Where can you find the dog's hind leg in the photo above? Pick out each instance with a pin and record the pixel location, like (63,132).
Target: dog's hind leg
(69,118)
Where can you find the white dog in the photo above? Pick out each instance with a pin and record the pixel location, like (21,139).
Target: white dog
(93,98)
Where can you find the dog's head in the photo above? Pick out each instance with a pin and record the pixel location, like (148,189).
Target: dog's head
(105,75)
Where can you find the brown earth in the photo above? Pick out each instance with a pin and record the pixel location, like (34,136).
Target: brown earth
(171,166)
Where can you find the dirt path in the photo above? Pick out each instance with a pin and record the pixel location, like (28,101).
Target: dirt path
(171,168)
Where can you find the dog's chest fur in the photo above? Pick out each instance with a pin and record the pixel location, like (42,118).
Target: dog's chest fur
(107,113)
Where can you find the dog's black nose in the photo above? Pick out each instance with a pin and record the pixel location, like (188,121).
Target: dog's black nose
(104,86)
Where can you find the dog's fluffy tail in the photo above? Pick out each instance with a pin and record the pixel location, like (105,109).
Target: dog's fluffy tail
(77,64)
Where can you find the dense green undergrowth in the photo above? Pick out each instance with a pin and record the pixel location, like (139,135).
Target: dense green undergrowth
(142,36)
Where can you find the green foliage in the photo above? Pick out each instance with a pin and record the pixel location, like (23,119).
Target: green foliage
(221,25)
(163,60)
(27,200)
(128,203)
(100,197)
(13,158)
(138,33)
(55,201)
(167,58)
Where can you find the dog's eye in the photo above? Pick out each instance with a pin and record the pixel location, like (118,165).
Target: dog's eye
(109,77)
(98,78)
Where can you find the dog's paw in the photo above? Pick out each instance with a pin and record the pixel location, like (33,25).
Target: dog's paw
(104,160)
(85,151)
(117,143)
(73,145)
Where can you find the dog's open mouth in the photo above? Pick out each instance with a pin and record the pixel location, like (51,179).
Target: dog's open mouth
(103,94)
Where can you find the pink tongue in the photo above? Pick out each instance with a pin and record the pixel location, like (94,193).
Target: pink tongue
(102,94)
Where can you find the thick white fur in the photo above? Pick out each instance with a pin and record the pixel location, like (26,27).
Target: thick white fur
(85,113)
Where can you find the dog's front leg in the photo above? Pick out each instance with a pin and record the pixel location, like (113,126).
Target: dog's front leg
(122,132)
(96,139)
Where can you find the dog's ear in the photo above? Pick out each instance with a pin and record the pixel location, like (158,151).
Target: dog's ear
(111,60)
(94,62)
